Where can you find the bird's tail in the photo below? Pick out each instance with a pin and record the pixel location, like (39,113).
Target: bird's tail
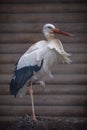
(19,78)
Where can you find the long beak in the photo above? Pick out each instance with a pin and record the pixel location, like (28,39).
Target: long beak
(62,32)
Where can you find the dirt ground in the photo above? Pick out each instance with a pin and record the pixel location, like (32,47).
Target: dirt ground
(43,123)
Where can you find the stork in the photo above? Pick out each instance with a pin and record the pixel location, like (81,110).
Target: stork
(37,62)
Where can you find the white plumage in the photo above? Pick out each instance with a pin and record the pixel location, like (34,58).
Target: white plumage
(38,60)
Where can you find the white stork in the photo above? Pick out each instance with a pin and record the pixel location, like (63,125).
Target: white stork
(37,62)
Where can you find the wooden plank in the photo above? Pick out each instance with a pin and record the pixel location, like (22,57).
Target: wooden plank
(79,58)
(13,58)
(35,8)
(58,79)
(6,68)
(75,48)
(14,48)
(37,27)
(51,89)
(44,110)
(41,1)
(37,18)
(22,47)
(70,69)
(58,69)
(34,37)
(45,100)
(9,119)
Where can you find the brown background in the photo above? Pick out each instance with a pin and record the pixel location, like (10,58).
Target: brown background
(20,26)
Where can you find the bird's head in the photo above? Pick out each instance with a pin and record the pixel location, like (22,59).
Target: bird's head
(49,31)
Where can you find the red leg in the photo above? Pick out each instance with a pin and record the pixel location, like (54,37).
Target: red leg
(32,101)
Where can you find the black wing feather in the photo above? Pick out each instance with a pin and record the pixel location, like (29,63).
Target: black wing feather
(21,76)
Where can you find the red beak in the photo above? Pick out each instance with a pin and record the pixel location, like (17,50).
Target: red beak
(62,32)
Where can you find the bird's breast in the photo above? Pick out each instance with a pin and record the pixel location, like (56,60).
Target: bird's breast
(51,57)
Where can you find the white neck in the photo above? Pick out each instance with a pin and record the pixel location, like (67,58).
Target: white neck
(49,36)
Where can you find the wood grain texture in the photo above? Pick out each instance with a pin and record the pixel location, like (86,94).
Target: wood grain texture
(41,1)
(37,27)
(47,110)
(57,89)
(43,7)
(49,17)
(21,23)
(50,100)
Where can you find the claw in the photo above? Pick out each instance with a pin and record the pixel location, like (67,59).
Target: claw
(35,119)
(42,84)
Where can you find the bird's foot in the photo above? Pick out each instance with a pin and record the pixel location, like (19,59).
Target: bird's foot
(35,119)
(42,84)
(26,116)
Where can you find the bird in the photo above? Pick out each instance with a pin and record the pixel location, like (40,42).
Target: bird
(37,62)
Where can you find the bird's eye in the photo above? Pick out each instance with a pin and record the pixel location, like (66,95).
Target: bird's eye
(49,27)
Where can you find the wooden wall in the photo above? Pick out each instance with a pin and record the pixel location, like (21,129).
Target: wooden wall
(20,26)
